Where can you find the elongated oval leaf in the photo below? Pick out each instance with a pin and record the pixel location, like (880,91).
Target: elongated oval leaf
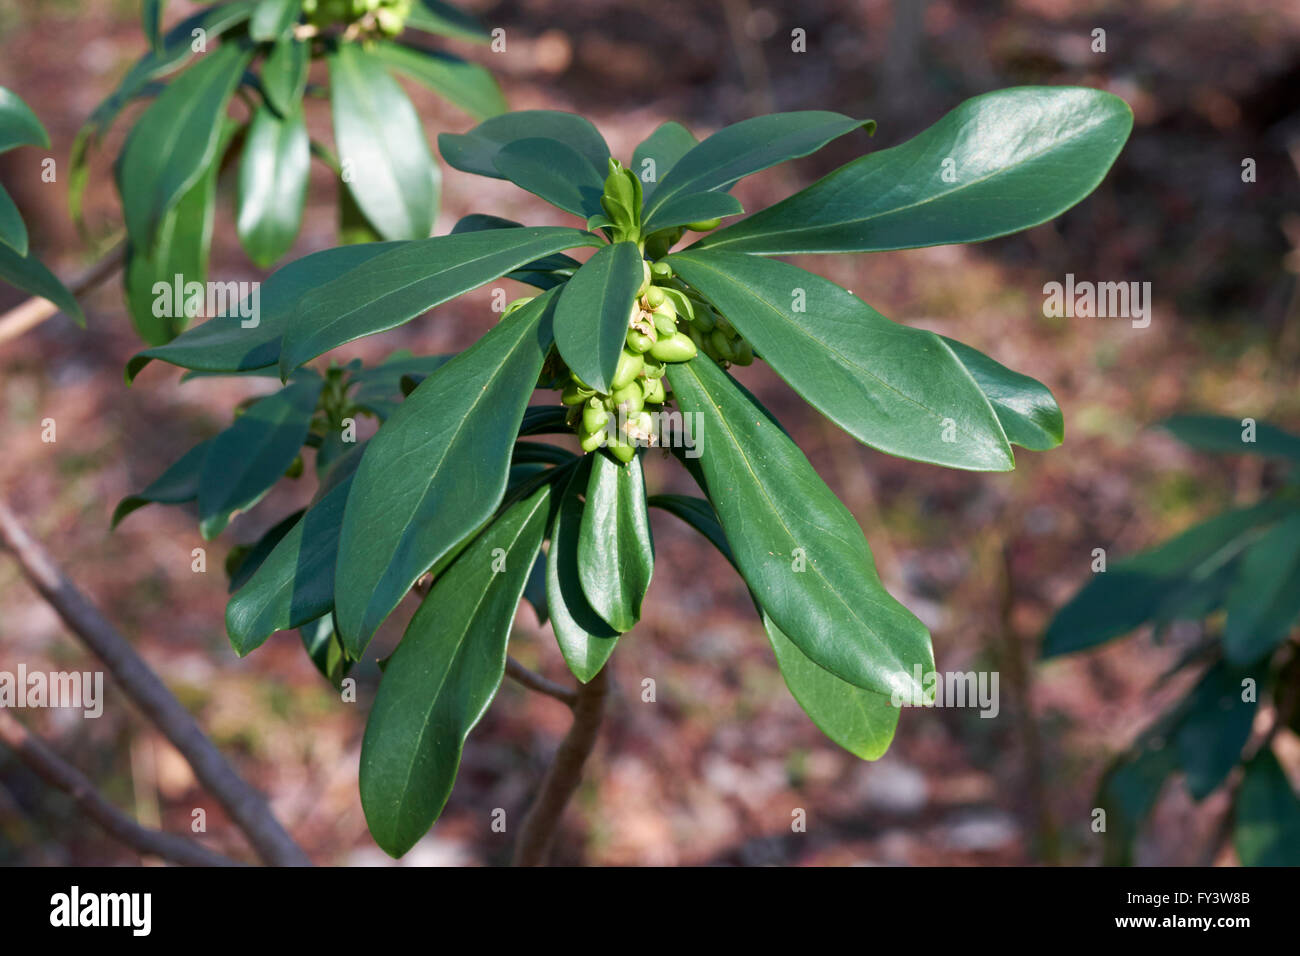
(1265,600)
(177,485)
(685,208)
(475,151)
(381,146)
(591,316)
(997,164)
(860,721)
(394,288)
(436,470)
(272,19)
(615,549)
(29,274)
(442,677)
(797,546)
(272,184)
(284,74)
(250,456)
(248,337)
(176,139)
(586,640)
(889,386)
(553,170)
(747,147)
(1214,728)
(295,584)
(662,148)
(1233,436)
(13,231)
(18,124)
(1025,408)
(1130,593)
(463,84)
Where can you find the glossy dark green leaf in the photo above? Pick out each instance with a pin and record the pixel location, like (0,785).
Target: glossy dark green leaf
(13,232)
(686,208)
(177,485)
(799,549)
(1228,436)
(160,277)
(663,148)
(176,140)
(466,85)
(29,274)
(443,19)
(177,49)
(380,386)
(553,170)
(1267,815)
(1019,157)
(250,456)
(436,470)
(1131,592)
(1215,726)
(443,676)
(18,124)
(1264,602)
(475,151)
(1129,789)
(747,147)
(284,74)
(243,561)
(272,19)
(591,317)
(223,344)
(585,639)
(895,388)
(273,175)
(544,273)
(1025,407)
(295,584)
(381,146)
(399,285)
(616,552)
(861,722)
(322,645)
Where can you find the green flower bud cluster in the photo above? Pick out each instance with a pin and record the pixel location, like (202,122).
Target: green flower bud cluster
(385,17)
(708,330)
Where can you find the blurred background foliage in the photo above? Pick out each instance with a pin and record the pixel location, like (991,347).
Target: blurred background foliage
(712,771)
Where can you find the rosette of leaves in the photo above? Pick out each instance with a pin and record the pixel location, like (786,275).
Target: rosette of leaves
(260,52)
(19,126)
(454,493)
(1238,572)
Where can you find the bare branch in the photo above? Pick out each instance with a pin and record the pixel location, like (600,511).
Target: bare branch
(52,768)
(36,310)
(246,806)
(543,685)
(564,775)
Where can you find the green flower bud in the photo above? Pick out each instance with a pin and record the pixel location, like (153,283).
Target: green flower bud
(575,394)
(594,416)
(622,451)
(654,391)
(593,440)
(654,296)
(681,302)
(723,345)
(744,353)
(705,318)
(629,367)
(665,324)
(661,270)
(630,397)
(704,225)
(675,348)
(639,342)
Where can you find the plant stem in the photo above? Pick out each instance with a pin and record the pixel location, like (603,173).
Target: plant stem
(58,773)
(564,775)
(246,807)
(534,681)
(36,310)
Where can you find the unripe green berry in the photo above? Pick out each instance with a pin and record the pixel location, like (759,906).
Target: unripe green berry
(639,342)
(704,225)
(665,324)
(630,398)
(622,451)
(629,367)
(575,394)
(722,344)
(592,440)
(594,417)
(661,270)
(744,353)
(654,297)
(675,348)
